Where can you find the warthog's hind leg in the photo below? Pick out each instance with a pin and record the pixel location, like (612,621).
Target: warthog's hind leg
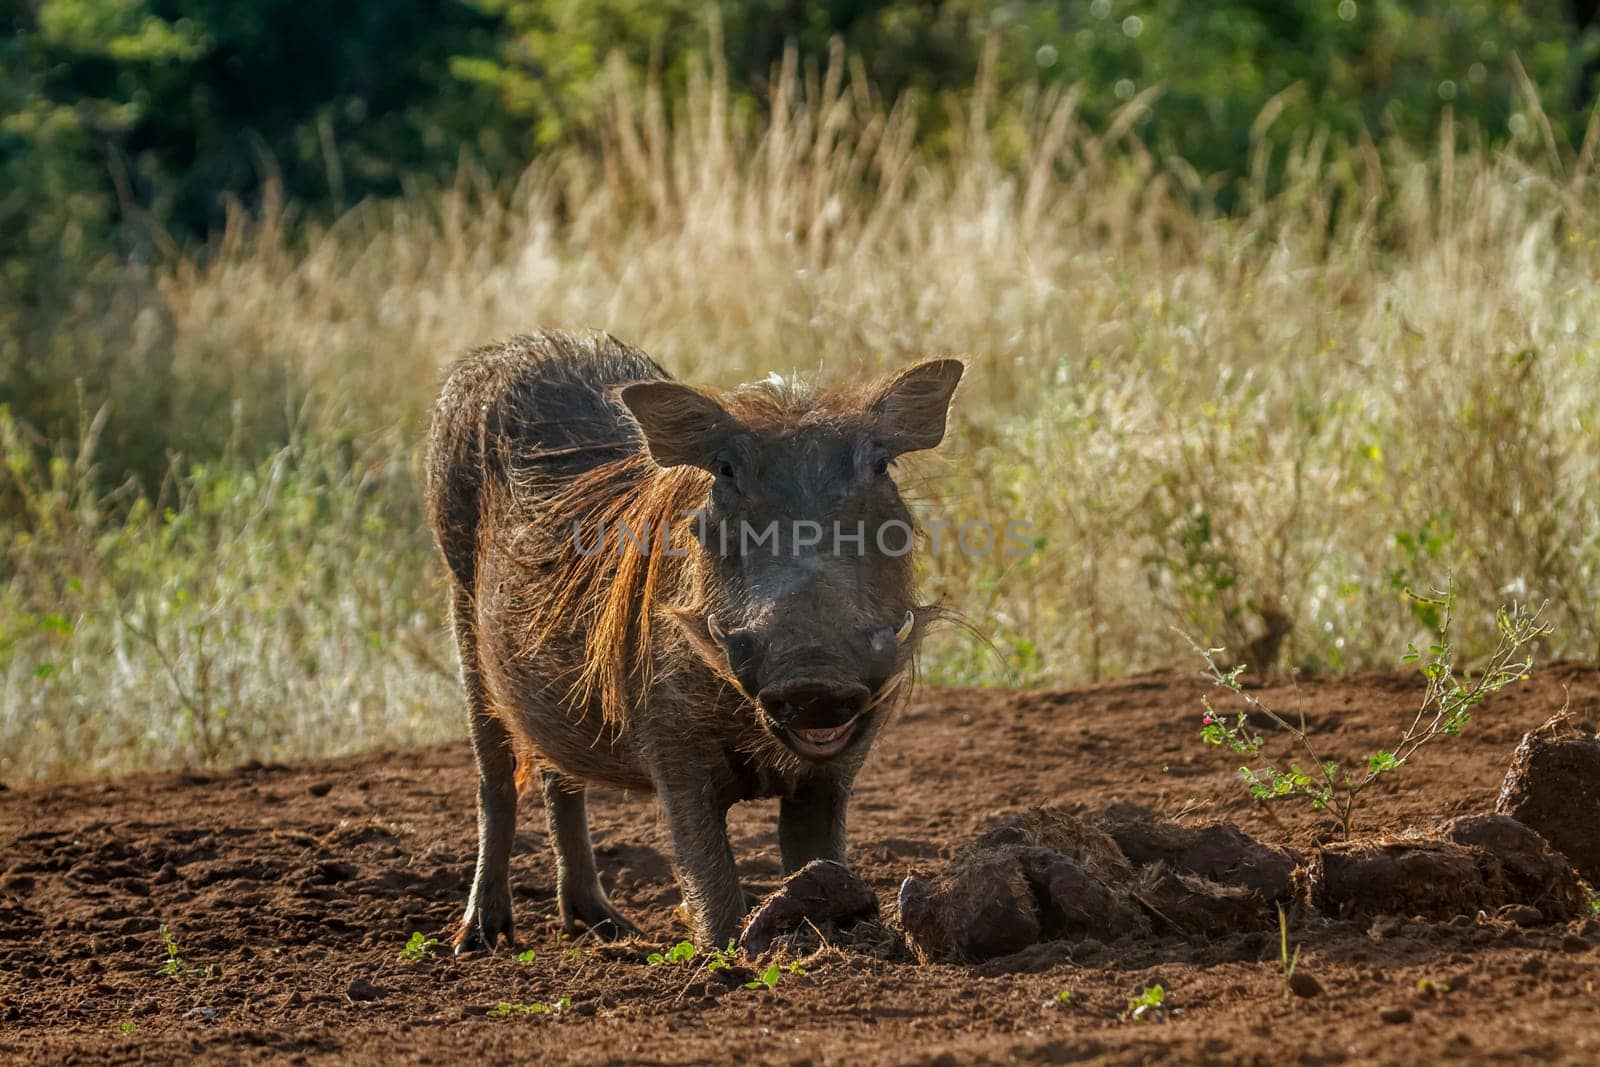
(578,890)
(488,915)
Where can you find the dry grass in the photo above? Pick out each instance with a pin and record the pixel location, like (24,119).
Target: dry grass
(1378,376)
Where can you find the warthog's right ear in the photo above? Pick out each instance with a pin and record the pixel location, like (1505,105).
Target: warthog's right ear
(912,405)
(682,425)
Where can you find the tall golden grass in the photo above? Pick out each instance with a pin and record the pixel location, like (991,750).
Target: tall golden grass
(1378,372)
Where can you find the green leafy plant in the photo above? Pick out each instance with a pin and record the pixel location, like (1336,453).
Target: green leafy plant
(1062,999)
(506,1009)
(720,959)
(1148,1005)
(418,947)
(774,973)
(175,966)
(1446,707)
(527,956)
(682,952)
(128,1028)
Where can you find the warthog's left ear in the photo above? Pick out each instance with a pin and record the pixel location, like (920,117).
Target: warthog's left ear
(911,405)
(681,424)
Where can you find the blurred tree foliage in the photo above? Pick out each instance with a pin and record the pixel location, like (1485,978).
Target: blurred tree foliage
(158,111)
(155,113)
(129,125)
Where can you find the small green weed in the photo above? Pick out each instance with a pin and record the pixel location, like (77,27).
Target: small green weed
(770,977)
(418,947)
(682,952)
(175,966)
(1287,961)
(720,959)
(128,1028)
(1430,987)
(1446,707)
(505,1009)
(527,956)
(1149,1004)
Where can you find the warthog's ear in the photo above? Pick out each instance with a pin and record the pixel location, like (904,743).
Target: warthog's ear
(911,405)
(681,424)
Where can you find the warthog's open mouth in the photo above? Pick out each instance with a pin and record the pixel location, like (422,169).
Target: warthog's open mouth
(821,744)
(825,723)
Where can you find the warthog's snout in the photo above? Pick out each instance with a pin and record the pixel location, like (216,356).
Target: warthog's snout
(815,718)
(815,701)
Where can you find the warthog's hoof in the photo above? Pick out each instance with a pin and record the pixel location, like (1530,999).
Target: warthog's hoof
(613,927)
(587,908)
(485,925)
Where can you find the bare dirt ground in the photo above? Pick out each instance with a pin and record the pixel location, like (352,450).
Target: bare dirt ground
(291,890)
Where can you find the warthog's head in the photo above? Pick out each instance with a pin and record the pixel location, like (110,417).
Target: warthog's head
(804,545)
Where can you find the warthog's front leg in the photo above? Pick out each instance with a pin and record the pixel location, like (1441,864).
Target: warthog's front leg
(811,823)
(698,823)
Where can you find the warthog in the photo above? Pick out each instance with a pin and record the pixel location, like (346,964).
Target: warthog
(639,601)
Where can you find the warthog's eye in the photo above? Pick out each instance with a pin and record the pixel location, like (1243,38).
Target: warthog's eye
(880,466)
(726,472)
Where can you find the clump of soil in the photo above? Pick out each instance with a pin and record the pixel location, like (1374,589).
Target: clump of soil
(1553,786)
(1057,830)
(1040,875)
(1198,906)
(1216,851)
(1537,875)
(1045,875)
(1402,876)
(1473,863)
(820,892)
(981,908)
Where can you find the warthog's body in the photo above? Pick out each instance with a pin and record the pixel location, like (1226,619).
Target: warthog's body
(705,676)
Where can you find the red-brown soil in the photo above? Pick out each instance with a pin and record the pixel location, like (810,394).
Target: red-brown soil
(298,886)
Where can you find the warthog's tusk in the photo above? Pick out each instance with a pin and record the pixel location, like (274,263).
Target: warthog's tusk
(907,624)
(717,632)
(889,689)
